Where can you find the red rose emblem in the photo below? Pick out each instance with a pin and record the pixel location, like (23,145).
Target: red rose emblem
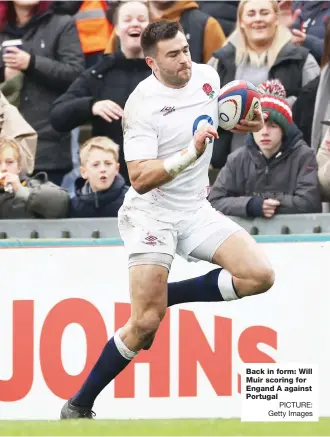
(207,88)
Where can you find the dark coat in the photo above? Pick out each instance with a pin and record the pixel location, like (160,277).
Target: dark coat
(113,78)
(303,108)
(105,203)
(57,60)
(224,11)
(45,200)
(290,177)
(288,68)
(66,7)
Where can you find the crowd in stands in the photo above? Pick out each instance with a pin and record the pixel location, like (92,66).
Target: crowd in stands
(67,69)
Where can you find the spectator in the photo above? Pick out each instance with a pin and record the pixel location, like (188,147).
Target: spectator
(94,29)
(223,11)
(99,95)
(306,20)
(258,50)
(21,197)
(313,102)
(101,190)
(49,60)
(13,126)
(275,172)
(203,32)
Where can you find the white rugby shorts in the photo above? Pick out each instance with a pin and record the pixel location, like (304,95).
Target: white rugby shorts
(146,228)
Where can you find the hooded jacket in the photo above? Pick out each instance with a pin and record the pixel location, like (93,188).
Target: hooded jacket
(288,68)
(40,199)
(202,31)
(56,61)
(290,177)
(106,203)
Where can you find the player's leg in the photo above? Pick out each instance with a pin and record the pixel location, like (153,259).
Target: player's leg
(244,271)
(245,268)
(148,272)
(148,289)
(245,261)
(148,302)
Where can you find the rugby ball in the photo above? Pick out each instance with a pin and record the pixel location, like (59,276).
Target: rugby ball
(237,101)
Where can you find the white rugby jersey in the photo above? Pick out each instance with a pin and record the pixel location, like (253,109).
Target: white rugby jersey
(160,121)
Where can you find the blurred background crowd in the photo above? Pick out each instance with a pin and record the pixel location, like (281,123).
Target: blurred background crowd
(68,67)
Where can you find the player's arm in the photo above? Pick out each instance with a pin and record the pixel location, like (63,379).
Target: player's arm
(147,174)
(146,171)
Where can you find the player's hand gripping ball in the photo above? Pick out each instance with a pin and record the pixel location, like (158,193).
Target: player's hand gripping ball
(237,101)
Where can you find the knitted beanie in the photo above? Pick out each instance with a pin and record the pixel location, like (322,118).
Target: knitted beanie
(274,104)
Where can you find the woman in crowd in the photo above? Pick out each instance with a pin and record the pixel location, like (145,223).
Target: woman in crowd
(42,66)
(260,49)
(99,95)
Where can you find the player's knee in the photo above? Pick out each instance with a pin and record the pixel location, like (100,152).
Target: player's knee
(148,343)
(146,326)
(264,278)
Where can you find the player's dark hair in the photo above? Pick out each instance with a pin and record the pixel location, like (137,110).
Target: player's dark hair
(159,31)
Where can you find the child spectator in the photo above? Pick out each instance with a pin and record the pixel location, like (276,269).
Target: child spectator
(275,172)
(260,49)
(13,125)
(45,63)
(21,197)
(101,190)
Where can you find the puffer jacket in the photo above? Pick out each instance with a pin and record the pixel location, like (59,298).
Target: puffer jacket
(44,200)
(56,61)
(290,177)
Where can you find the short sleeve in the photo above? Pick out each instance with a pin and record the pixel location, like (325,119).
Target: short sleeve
(140,136)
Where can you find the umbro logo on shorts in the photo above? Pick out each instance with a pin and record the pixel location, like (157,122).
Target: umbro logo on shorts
(167,110)
(151,240)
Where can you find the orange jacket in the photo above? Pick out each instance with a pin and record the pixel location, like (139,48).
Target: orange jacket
(93,27)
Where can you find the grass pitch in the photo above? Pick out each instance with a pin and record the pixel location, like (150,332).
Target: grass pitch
(195,427)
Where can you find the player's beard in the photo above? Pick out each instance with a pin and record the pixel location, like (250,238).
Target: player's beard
(175,79)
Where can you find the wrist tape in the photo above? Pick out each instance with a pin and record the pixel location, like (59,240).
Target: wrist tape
(177,163)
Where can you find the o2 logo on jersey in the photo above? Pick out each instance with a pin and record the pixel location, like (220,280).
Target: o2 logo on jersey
(201,121)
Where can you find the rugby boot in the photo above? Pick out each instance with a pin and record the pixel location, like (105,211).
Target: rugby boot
(70,411)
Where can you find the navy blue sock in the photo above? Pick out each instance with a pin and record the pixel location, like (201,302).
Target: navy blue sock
(107,367)
(201,289)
